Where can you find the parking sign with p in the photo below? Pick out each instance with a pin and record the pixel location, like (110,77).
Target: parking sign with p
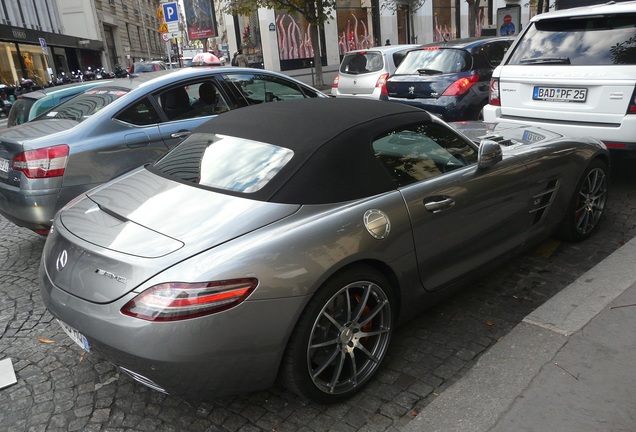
(170,12)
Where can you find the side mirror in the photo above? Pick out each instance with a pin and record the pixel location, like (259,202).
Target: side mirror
(489,154)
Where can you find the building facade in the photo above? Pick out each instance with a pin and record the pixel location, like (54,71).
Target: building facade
(279,41)
(127,29)
(33,44)
(41,38)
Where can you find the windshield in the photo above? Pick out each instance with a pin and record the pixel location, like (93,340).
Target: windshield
(605,40)
(224,162)
(86,104)
(434,60)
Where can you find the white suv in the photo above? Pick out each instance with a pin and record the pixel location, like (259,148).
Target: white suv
(572,71)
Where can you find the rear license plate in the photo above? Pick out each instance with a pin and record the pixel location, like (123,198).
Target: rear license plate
(559,94)
(77,337)
(4,165)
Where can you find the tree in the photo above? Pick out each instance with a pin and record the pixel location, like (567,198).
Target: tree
(315,12)
(474,18)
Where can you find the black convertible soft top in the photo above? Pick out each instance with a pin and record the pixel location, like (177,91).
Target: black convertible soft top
(331,138)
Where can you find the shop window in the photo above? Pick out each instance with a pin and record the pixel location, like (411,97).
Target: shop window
(444,24)
(353,30)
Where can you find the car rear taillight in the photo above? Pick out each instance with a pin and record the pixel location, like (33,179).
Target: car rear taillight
(631,109)
(493,92)
(381,82)
(42,163)
(461,86)
(383,90)
(335,82)
(176,301)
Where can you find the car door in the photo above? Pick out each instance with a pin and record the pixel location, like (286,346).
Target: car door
(462,216)
(138,133)
(184,108)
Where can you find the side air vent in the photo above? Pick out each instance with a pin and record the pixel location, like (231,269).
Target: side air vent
(541,202)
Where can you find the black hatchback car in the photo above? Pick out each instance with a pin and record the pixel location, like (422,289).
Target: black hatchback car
(448,79)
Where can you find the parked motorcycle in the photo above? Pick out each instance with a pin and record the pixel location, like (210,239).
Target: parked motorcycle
(5,107)
(120,72)
(89,74)
(65,78)
(106,74)
(26,85)
(5,103)
(77,76)
(55,81)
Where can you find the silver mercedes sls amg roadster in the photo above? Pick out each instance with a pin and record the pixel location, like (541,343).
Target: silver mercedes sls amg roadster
(287,240)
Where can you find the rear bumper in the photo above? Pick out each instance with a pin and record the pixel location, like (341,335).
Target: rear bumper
(35,209)
(236,351)
(375,95)
(31,210)
(617,137)
(448,108)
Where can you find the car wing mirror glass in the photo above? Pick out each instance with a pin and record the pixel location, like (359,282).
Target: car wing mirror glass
(489,154)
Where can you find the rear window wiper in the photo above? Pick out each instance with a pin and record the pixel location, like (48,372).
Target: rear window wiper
(543,60)
(429,72)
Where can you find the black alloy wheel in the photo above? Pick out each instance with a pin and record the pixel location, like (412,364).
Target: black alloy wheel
(588,203)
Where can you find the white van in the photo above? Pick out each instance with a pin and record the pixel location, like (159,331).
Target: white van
(572,71)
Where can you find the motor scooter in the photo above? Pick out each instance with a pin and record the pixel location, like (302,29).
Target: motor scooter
(120,72)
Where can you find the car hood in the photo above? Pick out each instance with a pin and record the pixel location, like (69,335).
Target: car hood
(141,224)
(419,86)
(36,129)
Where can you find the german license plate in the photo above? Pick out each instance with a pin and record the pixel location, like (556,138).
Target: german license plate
(4,165)
(76,336)
(559,94)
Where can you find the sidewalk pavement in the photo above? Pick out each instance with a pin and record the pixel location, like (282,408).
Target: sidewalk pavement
(569,366)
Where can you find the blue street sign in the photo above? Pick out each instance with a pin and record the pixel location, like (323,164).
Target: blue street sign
(170,12)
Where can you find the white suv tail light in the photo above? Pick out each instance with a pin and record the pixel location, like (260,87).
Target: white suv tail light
(631,109)
(493,92)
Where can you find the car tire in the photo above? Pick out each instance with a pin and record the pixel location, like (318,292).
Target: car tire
(588,203)
(341,338)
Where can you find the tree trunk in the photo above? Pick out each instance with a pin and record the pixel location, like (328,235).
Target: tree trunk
(540,7)
(315,43)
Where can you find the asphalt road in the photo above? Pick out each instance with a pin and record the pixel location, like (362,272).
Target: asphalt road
(60,388)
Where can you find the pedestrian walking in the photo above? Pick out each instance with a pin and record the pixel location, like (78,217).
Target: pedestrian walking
(241,59)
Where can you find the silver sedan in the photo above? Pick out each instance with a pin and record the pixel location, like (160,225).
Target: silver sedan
(109,130)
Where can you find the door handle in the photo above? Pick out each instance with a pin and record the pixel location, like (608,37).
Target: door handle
(438,204)
(180,134)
